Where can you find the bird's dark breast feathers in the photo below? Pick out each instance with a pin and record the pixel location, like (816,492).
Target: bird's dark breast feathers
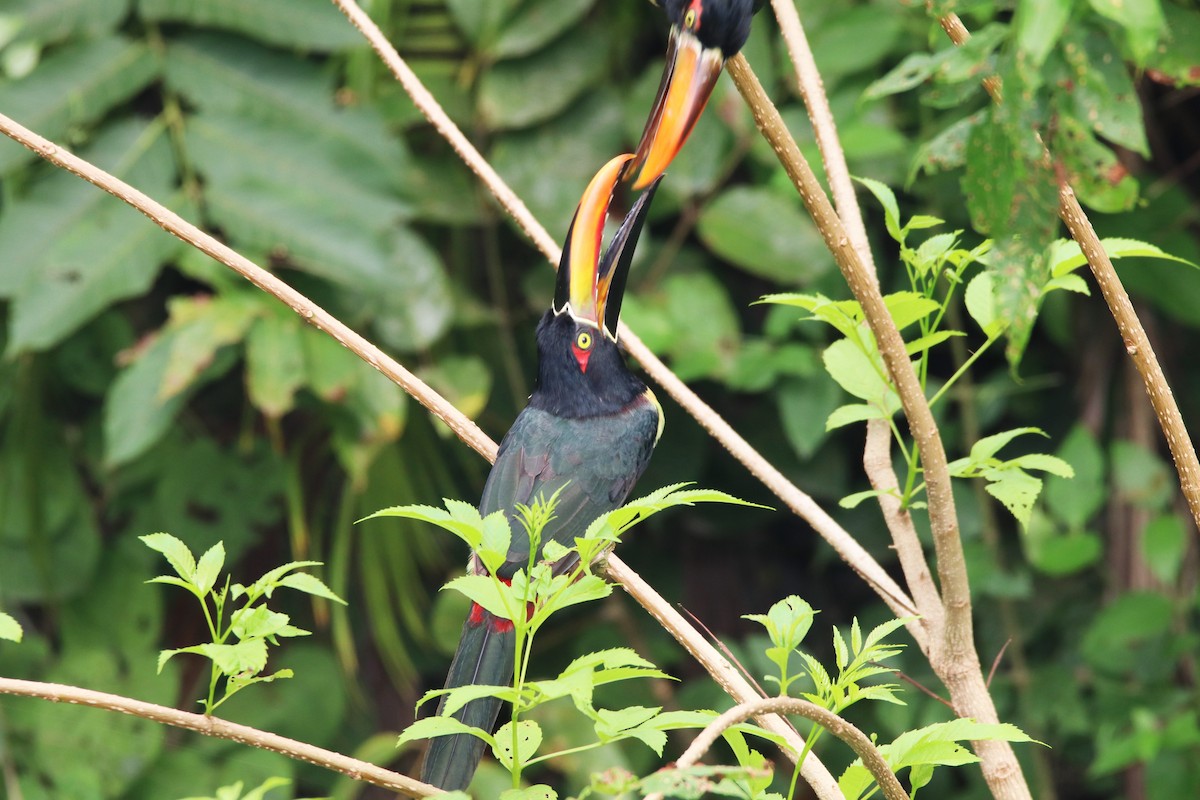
(595,462)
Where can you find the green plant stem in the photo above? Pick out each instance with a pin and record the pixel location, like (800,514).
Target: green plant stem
(958,373)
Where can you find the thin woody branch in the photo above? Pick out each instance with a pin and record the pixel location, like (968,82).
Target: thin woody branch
(222,729)
(858,741)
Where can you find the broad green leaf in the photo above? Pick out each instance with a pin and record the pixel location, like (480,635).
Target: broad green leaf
(230,77)
(208,567)
(431,727)
(496,598)
(1059,553)
(853,39)
(274,363)
(1141,475)
(1164,547)
(76,85)
(1038,24)
(175,551)
(465,381)
(1103,93)
(10,629)
(101,250)
(915,69)
(947,150)
(980,298)
(1045,463)
(538,791)
(511,749)
(906,308)
(1142,20)
(330,369)
(765,234)
(1115,641)
(804,407)
(482,20)
(695,351)
(48,21)
(1177,61)
(136,413)
(549,166)
(201,327)
(520,93)
(257,622)
(302,24)
(459,696)
(859,375)
(1076,501)
(1093,169)
(536,23)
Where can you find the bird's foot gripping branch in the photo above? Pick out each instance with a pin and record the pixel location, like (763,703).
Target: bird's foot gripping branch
(517,605)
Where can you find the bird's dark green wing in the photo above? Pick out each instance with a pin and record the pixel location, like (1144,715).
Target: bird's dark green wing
(593,463)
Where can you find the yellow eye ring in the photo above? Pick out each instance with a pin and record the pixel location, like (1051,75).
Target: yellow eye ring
(689,19)
(584,340)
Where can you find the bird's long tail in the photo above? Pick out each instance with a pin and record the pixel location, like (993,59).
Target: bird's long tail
(484,656)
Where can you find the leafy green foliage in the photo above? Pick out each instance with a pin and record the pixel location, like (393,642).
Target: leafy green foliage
(234,790)
(557,577)
(254,626)
(9,628)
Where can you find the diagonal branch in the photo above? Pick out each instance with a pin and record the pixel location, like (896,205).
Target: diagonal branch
(470,433)
(799,502)
(1137,343)
(222,729)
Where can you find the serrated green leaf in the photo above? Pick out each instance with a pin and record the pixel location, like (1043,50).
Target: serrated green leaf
(1017,491)
(178,555)
(1068,257)
(988,446)
(851,413)
(257,621)
(887,198)
(208,567)
(1044,462)
(495,597)
(302,24)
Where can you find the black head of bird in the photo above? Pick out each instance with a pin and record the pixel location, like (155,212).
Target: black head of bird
(703,34)
(580,370)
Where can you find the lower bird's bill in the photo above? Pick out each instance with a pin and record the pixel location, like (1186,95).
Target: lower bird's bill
(688,80)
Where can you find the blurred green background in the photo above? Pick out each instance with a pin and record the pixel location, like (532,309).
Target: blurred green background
(144,387)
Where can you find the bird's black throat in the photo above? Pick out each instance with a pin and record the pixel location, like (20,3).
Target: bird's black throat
(563,389)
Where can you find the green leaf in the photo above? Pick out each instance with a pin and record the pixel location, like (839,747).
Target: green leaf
(859,375)
(42,22)
(764,234)
(536,23)
(988,446)
(207,568)
(1093,169)
(1067,256)
(431,727)
(257,622)
(10,629)
(175,551)
(521,93)
(487,592)
(1077,500)
(98,249)
(1059,553)
(1177,60)
(309,584)
(1164,547)
(302,24)
(924,343)
(911,72)
(1142,20)
(510,751)
(856,499)
(1038,25)
(887,198)
(274,363)
(1017,490)
(202,326)
(76,85)
(851,413)
(1141,475)
(1044,462)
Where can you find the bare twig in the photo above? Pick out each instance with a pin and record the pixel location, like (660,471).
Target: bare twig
(799,502)
(222,729)
(852,736)
(466,430)
(996,662)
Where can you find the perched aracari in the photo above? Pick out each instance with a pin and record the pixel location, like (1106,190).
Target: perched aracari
(703,34)
(586,434)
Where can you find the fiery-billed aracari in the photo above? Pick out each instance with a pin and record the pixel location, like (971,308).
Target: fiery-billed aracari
(703,34)
(587,434)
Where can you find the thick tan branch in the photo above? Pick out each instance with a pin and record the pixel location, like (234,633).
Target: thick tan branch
(222,729)
(957,643)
